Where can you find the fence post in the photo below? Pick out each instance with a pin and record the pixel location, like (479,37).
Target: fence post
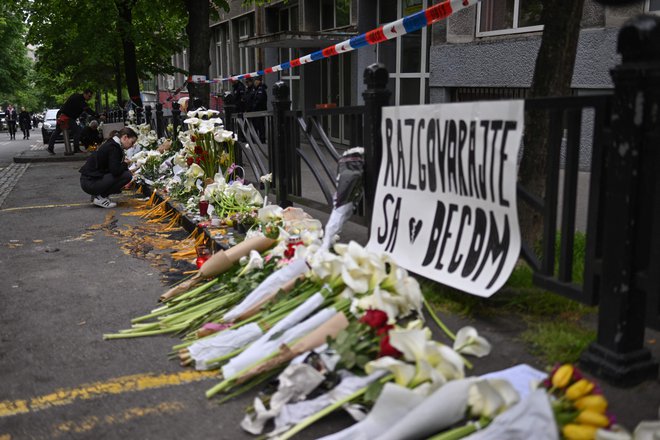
(138,115)
(147,114)
(281,104)
(176,119)
(160,123)
(376,96)
(629,241)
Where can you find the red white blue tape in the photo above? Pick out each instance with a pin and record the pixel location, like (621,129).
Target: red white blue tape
(386,32)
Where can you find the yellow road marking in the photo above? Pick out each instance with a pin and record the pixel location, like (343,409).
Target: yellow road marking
(119,385)
(92,422)
(63,205)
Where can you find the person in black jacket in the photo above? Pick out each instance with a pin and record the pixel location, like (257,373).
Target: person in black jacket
(260,103)
(238,94)
(11,117)
(24,120)
(106,172)
(74,106)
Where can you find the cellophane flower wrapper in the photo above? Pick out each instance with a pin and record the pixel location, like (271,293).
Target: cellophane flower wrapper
(294,413)
(350,169)
(294,384)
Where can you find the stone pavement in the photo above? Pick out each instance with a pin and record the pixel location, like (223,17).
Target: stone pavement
(62,286)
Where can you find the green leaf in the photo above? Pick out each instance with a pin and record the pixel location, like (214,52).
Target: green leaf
(373,391)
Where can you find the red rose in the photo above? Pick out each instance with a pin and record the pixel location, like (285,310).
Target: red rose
(198,160)
(198,149)
(386,348)
(384,329)
(374,318)
(189,160)
(193,137)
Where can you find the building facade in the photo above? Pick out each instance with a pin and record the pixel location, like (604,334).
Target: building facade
(483,52)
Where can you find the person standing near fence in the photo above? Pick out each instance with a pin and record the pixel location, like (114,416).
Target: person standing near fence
(74,106)
(25,121)
(260,104)
(238,95)
(11,117)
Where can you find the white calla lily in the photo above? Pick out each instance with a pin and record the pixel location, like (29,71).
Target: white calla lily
(468,341)
(192,121)
(403,372)
(489,397)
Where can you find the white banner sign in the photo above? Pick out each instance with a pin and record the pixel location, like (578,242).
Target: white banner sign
(445,204)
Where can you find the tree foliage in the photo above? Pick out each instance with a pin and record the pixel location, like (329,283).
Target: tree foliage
(14,63)
(80,43)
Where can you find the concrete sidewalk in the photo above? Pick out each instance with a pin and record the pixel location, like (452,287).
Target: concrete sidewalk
(63,284)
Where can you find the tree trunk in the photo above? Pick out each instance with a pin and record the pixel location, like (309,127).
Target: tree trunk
(125,22)
(120,99)
(552,77)
(199,59)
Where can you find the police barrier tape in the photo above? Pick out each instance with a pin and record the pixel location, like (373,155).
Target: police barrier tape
(405,25)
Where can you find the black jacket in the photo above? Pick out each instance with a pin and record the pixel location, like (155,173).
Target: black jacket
(90,136)
(109,158)
(260,98)
(75,105)
(24,120)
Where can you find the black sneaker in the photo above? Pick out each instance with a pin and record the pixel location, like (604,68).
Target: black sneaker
(50,151)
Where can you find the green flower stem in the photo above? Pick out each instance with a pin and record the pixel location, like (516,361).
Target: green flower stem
(463,431)
(327,410)
(140,334)
(437,320)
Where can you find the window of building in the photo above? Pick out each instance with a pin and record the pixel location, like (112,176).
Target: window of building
(653,6)
(247,55)
(334,13)
(498,17)
(288,18)
(406,58)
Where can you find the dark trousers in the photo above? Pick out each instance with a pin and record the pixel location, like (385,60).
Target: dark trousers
(26,132)
(259,125)
(106,185)
(11,126)
(74,132)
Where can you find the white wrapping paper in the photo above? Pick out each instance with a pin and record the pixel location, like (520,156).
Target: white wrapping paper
(271,284)
(257,352)
(222,343)
(393,403)
(443,408)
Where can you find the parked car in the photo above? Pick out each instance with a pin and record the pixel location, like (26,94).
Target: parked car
(48,126)
(3,125)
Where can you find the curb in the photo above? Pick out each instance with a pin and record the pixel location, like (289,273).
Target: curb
(39,157)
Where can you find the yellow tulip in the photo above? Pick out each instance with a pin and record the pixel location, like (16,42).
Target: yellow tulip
(573,431)
(594,402)
(593,418)
(580,388)
(562,376)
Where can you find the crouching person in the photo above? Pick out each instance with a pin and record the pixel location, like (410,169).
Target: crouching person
(106,170)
